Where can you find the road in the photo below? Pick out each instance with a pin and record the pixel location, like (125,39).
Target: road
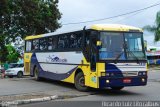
(17,86)
(29,85)
(141,93)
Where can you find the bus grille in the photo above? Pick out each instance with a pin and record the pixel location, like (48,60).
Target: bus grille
(129,73)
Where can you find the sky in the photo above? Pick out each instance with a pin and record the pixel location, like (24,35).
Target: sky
(84,10)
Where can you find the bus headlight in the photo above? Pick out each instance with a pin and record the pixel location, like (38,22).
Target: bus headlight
(143,80)
(107,74)
(142,73)
(107,81)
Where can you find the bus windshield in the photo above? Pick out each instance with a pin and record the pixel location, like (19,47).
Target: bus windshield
(121,46)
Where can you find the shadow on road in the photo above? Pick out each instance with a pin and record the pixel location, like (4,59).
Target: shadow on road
(92,91)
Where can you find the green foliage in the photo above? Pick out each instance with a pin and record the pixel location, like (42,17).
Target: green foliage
(20,18)
(3,54)
(12,54)
(155,28)
(28,17)
(8,53)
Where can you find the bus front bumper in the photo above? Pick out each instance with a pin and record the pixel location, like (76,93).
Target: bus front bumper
(122,81)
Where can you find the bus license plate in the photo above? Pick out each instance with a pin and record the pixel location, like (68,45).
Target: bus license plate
(126,80)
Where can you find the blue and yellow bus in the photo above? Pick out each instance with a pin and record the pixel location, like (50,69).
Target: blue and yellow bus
(97,56)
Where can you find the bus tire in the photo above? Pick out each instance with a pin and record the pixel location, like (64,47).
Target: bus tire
(20,74)
(80,82)
(117,88)
(36,74)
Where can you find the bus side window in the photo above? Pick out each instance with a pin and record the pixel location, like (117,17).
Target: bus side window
(28,46)
(43,44)
(60,42)
(79,39)
(75,40)
(87,45)
(50,43)
(72,39)
(54,45)
(35,45)
(63,41)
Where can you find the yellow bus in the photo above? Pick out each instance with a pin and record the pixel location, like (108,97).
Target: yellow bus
(97,56)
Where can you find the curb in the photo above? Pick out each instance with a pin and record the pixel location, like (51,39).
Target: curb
(19,102)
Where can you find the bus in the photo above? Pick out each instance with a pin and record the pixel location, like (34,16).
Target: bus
(97,56)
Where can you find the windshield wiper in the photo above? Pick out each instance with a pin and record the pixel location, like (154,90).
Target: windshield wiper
(116,59)
(134,56)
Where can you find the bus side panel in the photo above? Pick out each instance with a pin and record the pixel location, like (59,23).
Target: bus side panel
(56,65)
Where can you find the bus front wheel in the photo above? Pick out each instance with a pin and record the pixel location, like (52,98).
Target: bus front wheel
(80,82)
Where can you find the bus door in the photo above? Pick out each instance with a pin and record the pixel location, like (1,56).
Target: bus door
(93,51)
(93,61)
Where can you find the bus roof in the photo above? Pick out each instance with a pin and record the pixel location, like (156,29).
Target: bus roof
(99,27)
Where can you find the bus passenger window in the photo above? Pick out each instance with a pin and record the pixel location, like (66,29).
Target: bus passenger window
(60,43)
(50,43)
(54,45)
(72,41)
(43,44)
(35,45)
(75,40)
(66,41)
(63,41)
(28,46)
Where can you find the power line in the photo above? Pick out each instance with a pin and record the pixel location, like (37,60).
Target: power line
(135,11)
(127,17)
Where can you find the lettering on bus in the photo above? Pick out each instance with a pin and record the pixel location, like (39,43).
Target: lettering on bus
(53,58)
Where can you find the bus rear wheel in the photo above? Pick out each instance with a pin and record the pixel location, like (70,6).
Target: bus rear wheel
(36,74)
(117,88)
(80,82)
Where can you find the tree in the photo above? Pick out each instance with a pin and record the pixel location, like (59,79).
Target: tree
(155,28)
(28,17)
(20,18)
(12,54)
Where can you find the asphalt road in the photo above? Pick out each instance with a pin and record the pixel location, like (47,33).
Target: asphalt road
(17,86)
(140,93)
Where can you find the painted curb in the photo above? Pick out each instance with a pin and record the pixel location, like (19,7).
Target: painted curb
(18,102)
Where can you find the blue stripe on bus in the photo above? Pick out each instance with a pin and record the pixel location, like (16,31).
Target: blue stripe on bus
(112,68)
(46,74)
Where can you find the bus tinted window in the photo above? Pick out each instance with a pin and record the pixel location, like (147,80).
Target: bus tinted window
(63,41)
(54,44)
(35,44)
(28,46)
(43,44)
(50,42)
(75,40)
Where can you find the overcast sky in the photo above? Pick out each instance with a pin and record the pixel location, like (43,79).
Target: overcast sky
(84,10)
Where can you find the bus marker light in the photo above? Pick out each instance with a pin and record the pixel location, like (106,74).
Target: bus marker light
(107,81)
